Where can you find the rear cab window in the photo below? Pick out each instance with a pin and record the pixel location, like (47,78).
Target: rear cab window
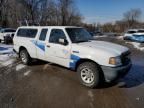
(27,32)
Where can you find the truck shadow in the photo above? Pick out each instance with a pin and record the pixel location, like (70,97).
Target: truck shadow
(36,62)
(134,78)
(41,62)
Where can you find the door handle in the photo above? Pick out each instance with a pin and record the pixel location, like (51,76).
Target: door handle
(48,46)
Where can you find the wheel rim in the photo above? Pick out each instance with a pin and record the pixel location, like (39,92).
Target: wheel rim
(23,57)
(87,75)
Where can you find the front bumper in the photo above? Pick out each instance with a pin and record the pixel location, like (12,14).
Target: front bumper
(113,73)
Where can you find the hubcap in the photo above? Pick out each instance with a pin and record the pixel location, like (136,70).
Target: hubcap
(87,75)
(23,57)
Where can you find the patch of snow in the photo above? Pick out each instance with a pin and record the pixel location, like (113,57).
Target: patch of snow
(13,54)
(8,62)
(8,49)
(7,59)
(119,37)
(6,46)
(19,67)
(45,66)
(27,73)
(7,55)
(136,45)
(100,36)
(4,58)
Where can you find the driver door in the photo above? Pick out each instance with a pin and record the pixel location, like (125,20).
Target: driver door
(55,51)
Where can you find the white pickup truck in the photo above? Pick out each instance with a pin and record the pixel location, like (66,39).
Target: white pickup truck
(6,32)
(73,47)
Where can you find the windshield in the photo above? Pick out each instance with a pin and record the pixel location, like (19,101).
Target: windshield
(1,30)
(131,32)
(7,30)
(78,35)
(141,31)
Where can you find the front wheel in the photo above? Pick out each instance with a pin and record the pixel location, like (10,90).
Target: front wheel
(88,73)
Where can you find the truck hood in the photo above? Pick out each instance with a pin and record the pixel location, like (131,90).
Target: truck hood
(108,47)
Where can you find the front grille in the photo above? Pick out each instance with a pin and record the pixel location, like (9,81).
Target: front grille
(125,57)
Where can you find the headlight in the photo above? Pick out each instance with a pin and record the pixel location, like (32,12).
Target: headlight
(115,61)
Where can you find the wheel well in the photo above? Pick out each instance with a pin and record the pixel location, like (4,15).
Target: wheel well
(102,77)
(22,48)
(84,60)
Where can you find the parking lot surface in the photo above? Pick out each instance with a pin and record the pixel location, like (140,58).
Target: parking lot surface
(46,85)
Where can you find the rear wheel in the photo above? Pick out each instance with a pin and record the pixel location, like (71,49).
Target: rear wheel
(25,58)
(6,41)
(88,73)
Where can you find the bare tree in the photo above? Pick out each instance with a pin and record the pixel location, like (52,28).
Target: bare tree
(30,10)
(68,12)
(49,13)
(45,12)
(108,27)
(3,12)
(132,16)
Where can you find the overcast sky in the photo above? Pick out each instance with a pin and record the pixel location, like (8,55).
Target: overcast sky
(107,10)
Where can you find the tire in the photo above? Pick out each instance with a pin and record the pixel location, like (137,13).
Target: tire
(89,74)
(25,57)
(6,42)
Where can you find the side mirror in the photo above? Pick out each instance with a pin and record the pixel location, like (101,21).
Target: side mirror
(63,41)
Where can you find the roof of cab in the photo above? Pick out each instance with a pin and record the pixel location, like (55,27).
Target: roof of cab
(133,30)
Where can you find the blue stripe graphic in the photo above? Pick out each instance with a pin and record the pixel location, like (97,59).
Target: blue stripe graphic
(39,44)
(75,60)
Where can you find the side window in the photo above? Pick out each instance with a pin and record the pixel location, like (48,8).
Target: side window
(9,30)
(55,35)
(30,33)
(2,31)
(43,34)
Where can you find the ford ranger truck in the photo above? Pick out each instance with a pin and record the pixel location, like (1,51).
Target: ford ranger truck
(73,47)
